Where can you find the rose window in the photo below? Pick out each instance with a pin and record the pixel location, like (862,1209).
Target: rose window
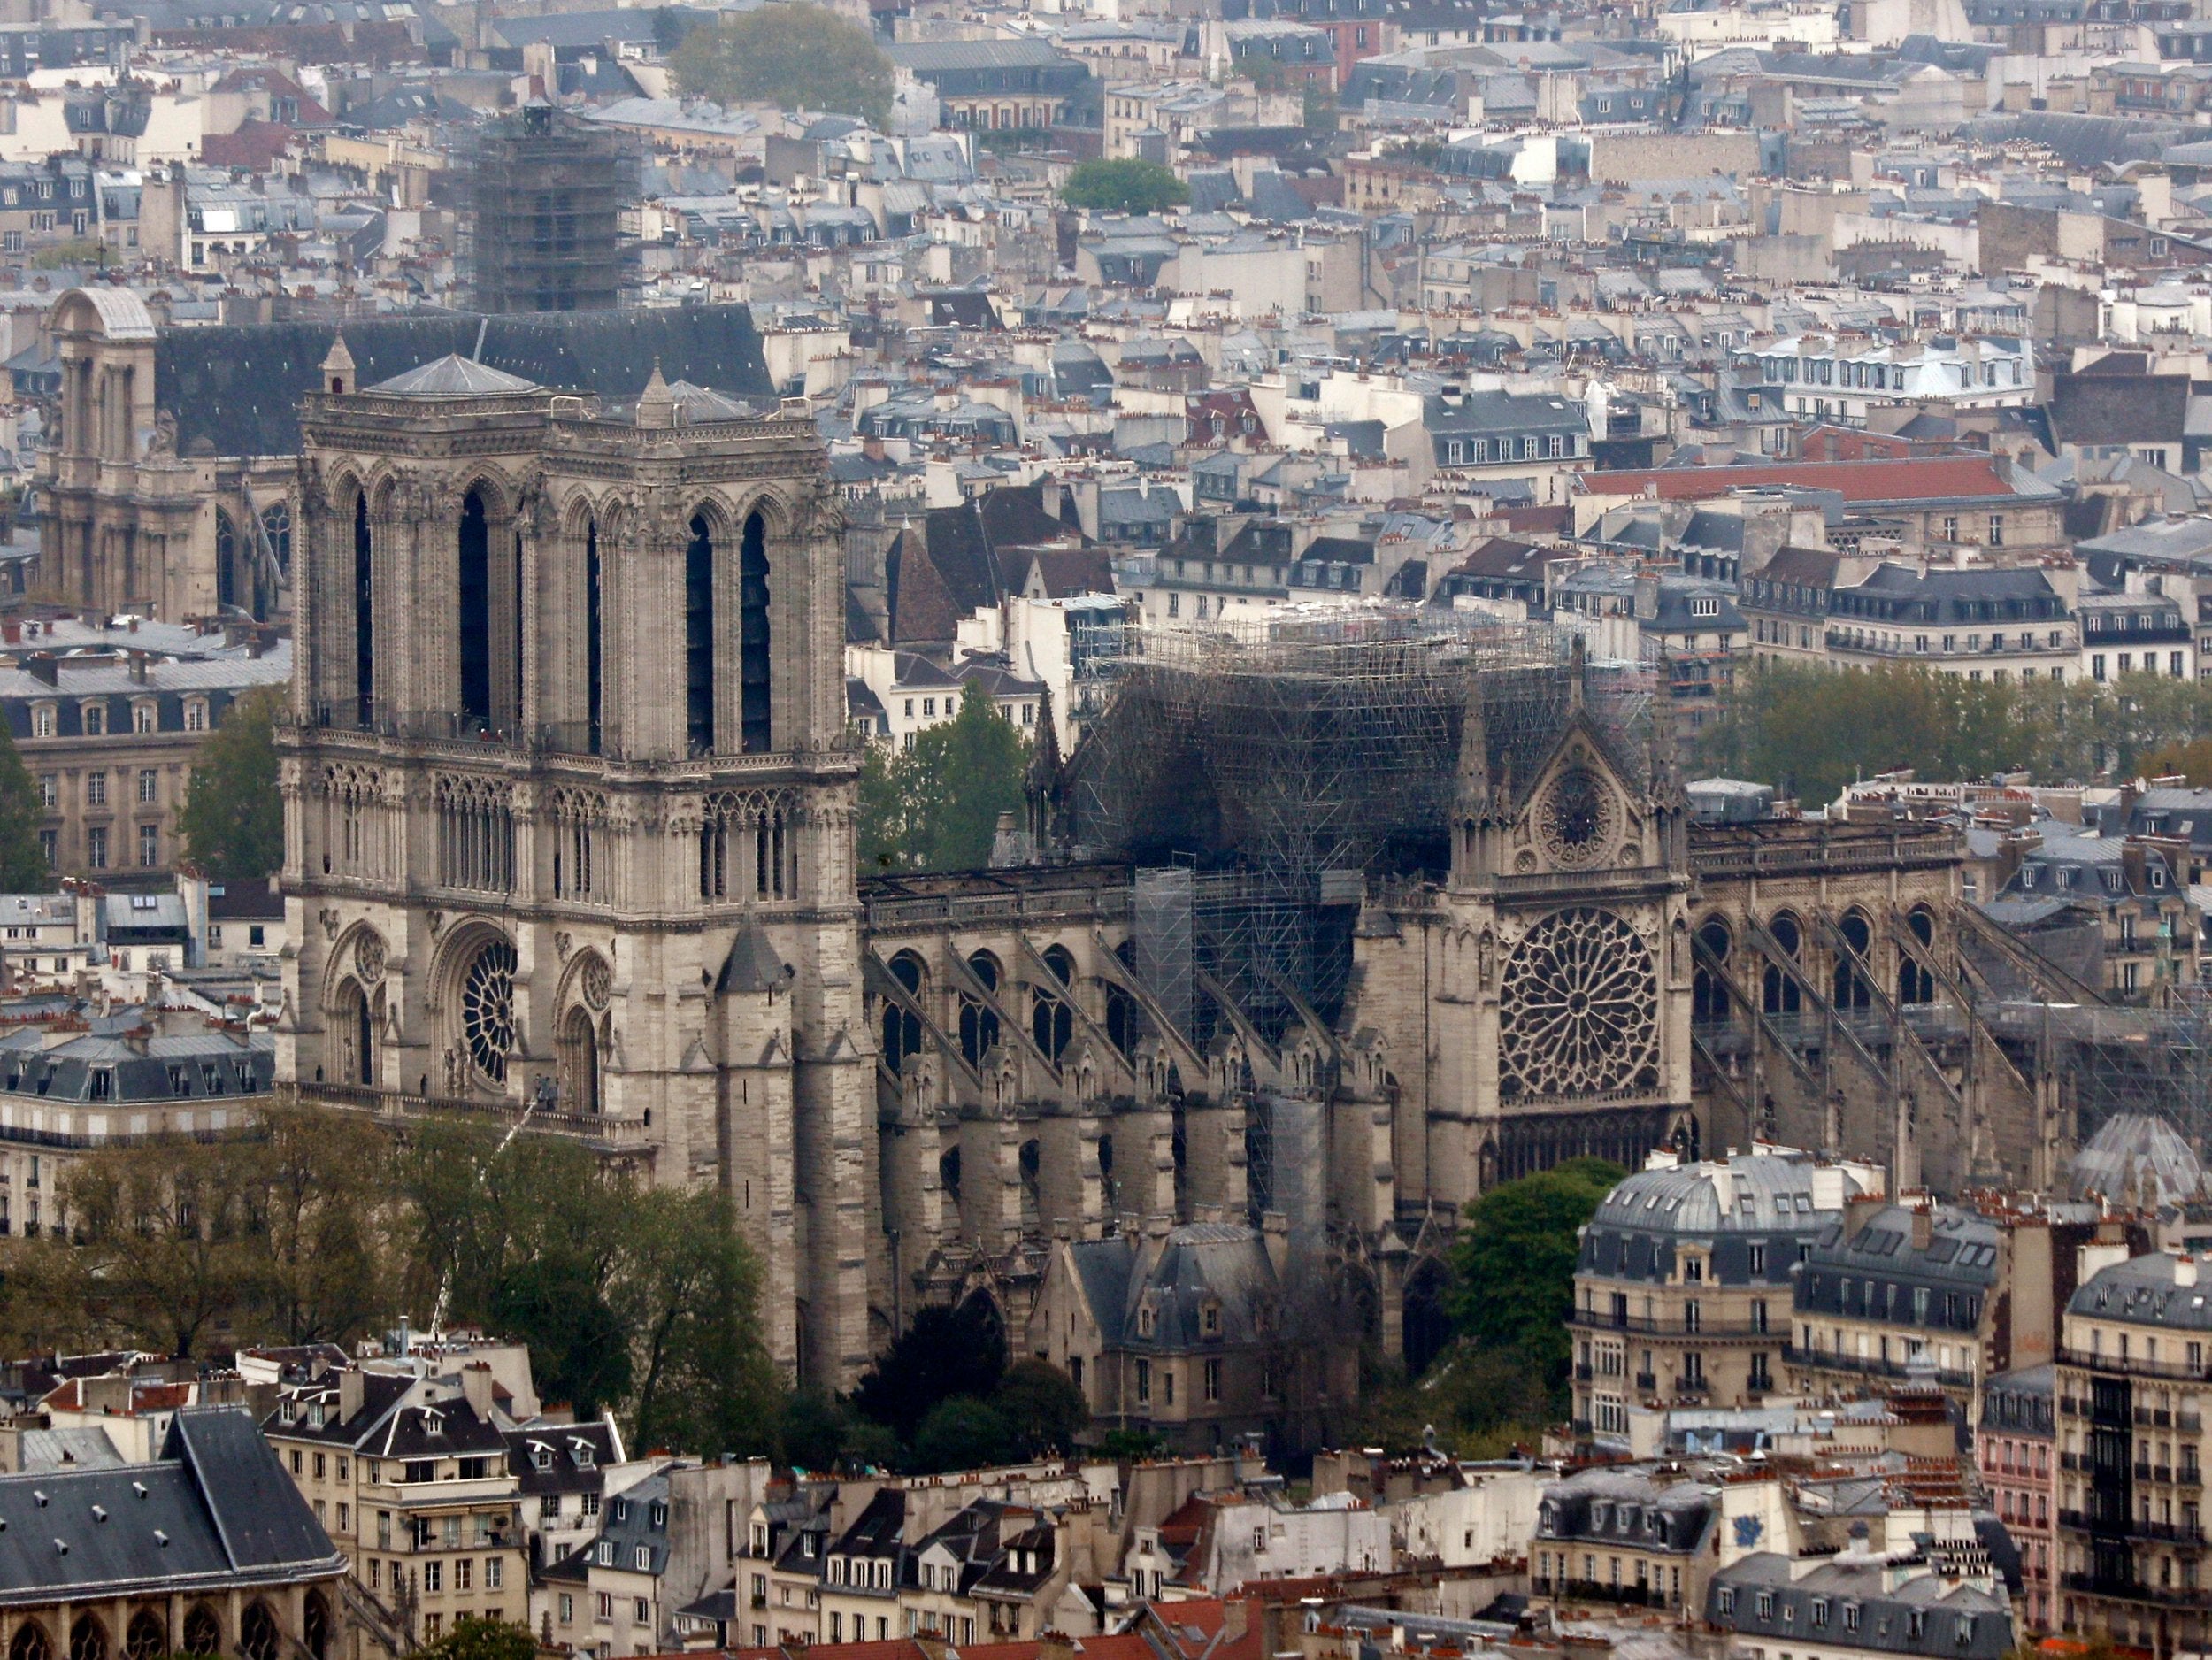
(1576,819)
(488,1009)
(1580,1011)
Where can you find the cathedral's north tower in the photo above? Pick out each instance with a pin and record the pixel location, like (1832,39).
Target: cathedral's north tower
(570,799)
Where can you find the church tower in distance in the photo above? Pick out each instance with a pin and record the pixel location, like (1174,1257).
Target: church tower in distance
(569,801)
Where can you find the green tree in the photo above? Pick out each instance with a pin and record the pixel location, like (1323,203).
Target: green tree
(233,818)
(526,1238)
(688,1295)
(962,1434)
(23,866)
(317,1191)
(945,1352)
(935,807)
(1043,1409)
(474,1639)
(166,1243)
(1127,185)
(796,55)
(1514,1263)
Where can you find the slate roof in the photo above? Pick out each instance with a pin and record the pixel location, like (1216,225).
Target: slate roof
(1764,1596)
(1222,1264)
(215,1511)
(236,389)
(2117,409)
(2143,1291)
(209,1065)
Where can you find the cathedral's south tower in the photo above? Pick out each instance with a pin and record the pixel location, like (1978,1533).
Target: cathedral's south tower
(570,801)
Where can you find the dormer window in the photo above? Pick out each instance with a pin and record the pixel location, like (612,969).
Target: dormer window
(288,1410)
(541,1456)
(433,1423)
(606,1553)
(1210,1320)
(582,1452)
(643,1558)
(621,1510)
(660,1514)
(1147,1319)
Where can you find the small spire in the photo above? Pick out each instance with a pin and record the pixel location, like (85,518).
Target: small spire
(656,404)
(338,373)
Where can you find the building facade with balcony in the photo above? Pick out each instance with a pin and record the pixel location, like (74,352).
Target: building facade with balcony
(1682,1290)
(1626,1535)
(410,1476)
(2132,1386)
(1888,1289)
(2135,633)
(2016,1450)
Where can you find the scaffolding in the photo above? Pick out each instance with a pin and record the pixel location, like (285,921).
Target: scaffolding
(2113,1060)
(1260,773)
(544,196)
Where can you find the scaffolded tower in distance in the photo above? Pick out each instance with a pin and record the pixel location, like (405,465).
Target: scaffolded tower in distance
(541,215)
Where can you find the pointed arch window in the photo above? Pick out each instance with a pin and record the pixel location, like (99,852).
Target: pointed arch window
(474,582)
(754,674)
(699,637)
(364,613)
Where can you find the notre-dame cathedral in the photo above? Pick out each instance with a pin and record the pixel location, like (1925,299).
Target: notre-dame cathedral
(570,801)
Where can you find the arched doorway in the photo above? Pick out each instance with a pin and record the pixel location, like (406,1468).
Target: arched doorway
(1425,1327)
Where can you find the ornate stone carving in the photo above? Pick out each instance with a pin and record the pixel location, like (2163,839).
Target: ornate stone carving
(597,982)
(1580,1012)
(368,957)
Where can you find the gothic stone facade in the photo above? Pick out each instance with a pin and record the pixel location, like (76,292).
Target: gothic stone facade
(569,803)
(126,523)
(570,811)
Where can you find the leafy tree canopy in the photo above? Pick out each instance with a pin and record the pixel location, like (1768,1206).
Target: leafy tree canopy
(233,818)
(474,1639)
(1514,1263)
(23,868)
(795,56)
(935,807)
(1127,185)
(1043,1409)
(962,1434)
(1809,731)
(945,1352)
(312,1225)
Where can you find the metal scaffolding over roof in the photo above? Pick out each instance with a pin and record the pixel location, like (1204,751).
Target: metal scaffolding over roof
(1282,761)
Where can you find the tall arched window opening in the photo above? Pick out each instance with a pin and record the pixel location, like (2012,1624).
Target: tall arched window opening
(476,612)
(580,1062)
(699,638)
(364,613)
(753,677)
(594,669)
(226,560)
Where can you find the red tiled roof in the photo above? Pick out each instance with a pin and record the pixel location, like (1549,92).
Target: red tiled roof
(1913,478)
